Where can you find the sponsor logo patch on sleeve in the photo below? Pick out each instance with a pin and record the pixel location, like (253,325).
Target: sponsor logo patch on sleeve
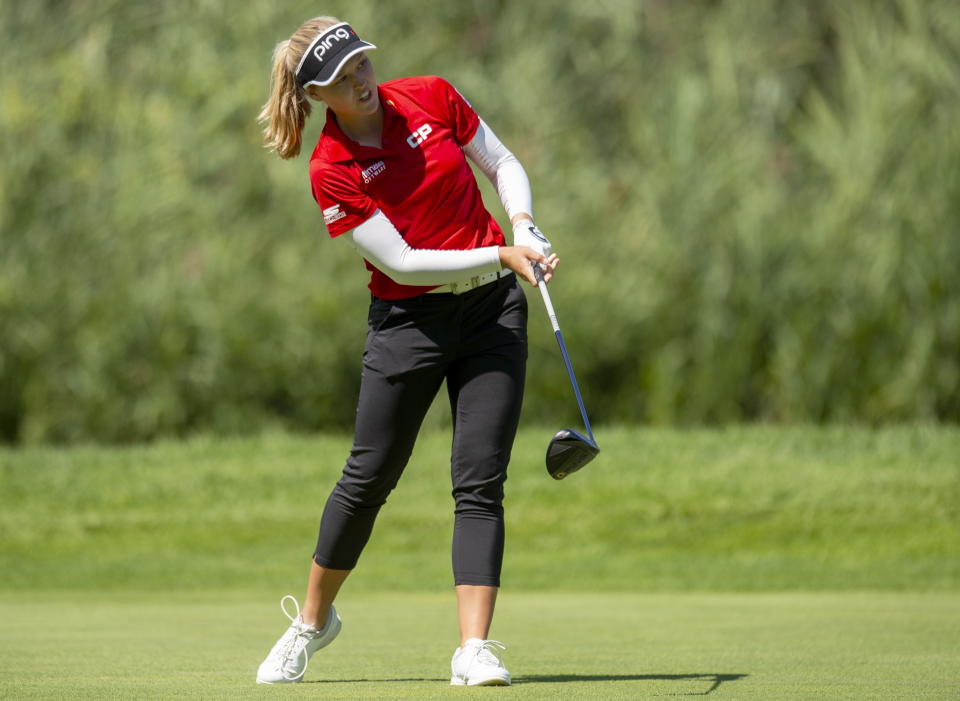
(332,214)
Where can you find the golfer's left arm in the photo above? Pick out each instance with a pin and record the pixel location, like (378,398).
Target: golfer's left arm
(507,175)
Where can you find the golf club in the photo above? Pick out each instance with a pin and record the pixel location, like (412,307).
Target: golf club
(569,450)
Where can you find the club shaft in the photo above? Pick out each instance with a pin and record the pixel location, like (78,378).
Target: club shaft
(563,348)
(573,381)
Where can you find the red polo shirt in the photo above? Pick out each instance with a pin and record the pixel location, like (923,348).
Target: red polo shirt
(420,178)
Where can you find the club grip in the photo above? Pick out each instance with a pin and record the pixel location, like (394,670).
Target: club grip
(537,271)
(542,286)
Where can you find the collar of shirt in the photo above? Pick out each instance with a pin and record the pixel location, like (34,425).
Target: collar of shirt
(336,146)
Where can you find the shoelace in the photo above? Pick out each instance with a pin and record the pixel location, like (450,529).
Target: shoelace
(286,652)
(487,652)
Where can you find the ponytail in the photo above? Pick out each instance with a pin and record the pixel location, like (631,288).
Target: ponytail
(288,107)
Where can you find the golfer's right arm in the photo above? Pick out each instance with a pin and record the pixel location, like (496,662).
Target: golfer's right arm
(379,242)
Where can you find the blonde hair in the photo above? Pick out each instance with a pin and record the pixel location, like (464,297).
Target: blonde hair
(288,107)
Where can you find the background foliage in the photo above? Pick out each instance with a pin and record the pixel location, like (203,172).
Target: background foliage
(756,204)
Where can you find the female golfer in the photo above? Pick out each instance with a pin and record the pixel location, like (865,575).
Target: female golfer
(391,177)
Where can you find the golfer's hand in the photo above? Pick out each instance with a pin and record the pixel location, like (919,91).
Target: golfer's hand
(519,259)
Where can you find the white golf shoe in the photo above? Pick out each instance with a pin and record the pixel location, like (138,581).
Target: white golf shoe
(477,664)
(288,659)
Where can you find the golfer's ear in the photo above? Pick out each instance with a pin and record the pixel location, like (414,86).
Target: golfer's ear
(313,93)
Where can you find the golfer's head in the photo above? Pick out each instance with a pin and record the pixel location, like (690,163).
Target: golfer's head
(321,52)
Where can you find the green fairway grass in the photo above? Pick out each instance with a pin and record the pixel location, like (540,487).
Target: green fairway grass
(744,563)
(753,508)
(852,645)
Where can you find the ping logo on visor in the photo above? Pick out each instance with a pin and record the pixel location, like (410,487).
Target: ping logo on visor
(326,55)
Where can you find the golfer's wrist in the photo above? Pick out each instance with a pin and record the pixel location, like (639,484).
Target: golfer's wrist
(526,233)
(515,259)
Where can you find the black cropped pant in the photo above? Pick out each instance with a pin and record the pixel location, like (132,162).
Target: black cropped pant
(477,342)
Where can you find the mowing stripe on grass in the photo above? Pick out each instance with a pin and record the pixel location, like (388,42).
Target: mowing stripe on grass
(856,646)
(751,508)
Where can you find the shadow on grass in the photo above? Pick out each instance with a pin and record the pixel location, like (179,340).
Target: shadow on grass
(374,681)
(715,680)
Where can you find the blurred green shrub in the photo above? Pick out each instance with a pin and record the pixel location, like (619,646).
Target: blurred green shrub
(756,203)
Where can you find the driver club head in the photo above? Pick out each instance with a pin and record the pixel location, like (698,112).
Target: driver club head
(568,451)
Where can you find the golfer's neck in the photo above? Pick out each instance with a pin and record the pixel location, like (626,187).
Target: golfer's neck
(366,130)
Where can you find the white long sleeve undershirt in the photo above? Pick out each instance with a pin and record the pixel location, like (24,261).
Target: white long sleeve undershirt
(502,169)
(379,241)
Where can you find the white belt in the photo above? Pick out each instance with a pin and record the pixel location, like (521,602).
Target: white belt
(458,288)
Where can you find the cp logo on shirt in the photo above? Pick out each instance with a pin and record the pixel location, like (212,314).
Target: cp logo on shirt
(419,136)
